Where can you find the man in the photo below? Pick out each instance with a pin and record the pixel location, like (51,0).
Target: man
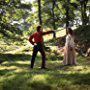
(38,45)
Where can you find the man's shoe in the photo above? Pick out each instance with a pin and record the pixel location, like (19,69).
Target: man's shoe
(30,67)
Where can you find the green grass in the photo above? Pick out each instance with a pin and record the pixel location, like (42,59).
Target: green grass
(16,75)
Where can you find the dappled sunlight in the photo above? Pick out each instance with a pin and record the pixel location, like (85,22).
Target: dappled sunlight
(15,57)
(5,65)
(19,70)
(15,67)
(7,77)
(75,69)
(56,76)
(10,77)
(2,79)
(18,50)
(31,58)
(39,78)
(8,68)
(61,33)
(15,71)
(6,62)
(53,47)
(23,62)
(55,65)
(81,69)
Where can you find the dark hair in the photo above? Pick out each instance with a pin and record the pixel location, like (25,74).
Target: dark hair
(69,31)
(38,28)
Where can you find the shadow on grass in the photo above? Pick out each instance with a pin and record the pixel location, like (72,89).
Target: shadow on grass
(18,65)
(28,80)
(17,61)
(84,61)
(10,62)
(80,79)
(38,81)
(25,82)
(6,71)
(14,57)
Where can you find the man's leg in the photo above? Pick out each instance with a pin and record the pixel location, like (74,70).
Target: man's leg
(35,50)
(43,57)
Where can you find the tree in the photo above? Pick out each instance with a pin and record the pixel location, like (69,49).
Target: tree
(53,14)
(10,11)
(39,12)
(83,4)
(67,12)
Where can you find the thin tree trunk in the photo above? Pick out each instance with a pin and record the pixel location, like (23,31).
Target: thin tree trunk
(53,5)
(67,13)
(89,15)
(67,16)
(83,12)
(85,15)
(39,12)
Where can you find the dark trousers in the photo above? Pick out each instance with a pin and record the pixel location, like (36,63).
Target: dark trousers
(35,51)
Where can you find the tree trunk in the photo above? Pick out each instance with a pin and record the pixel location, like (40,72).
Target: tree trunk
(83,12)
(67,16)
(89,15)
(53,5)
(39,12)
(67,13)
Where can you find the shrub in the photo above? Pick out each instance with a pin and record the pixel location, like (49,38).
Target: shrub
(83,36)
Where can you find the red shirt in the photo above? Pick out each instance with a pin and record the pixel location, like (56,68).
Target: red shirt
(38,36)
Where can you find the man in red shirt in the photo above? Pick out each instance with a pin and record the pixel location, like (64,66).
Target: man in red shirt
(38,45)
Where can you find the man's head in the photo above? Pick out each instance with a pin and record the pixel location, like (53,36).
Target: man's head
(39,28)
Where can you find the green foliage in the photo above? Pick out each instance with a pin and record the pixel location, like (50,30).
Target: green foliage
(21,12)
(83,36)
(10,12)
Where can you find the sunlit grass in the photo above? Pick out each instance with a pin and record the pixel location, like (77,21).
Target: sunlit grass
(15,72)
(40,78)
(56,77)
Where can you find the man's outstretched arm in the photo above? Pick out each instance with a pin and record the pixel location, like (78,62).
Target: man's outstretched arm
(48,32)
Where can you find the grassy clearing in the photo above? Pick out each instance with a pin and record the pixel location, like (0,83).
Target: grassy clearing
(16,75)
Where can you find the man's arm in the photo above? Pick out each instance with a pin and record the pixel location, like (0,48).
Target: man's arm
(48,32)
(30,40)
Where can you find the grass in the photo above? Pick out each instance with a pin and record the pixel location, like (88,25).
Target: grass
(15,73)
